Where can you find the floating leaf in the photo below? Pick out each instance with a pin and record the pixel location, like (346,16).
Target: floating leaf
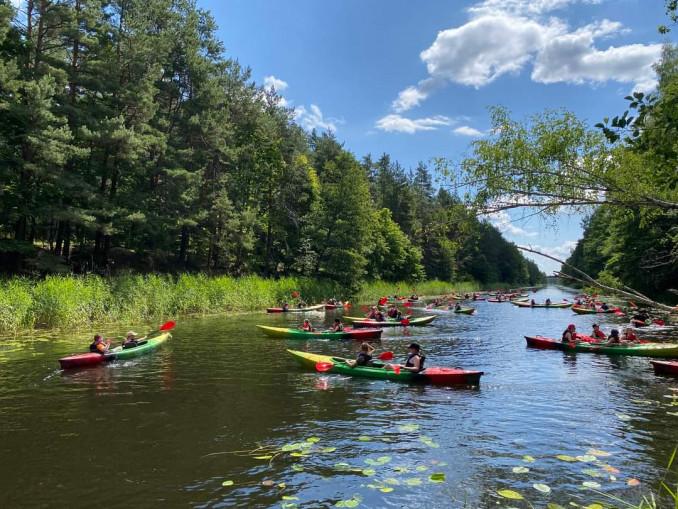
(421,468)
(297,468)
(610,469)
(382,460)
(392,481)
(520,470)
(591,484)
(429,441)
(369,471)
(544,488)
(342,466)
(510,494)
(328,449)
(598,453)
(441,463)
(386,489)
(289,497)
(672,413)
(565,457)
(288,505)
(291,447)
(401,470)
(552,505)
(313,440)
(588,458)
(437,477)
(267,483)
(370,461)
(364,438)
(351,502)
(298,454)
(592,472)
(633,482)
(413,481)
(613,478)
(227,483)
(282,485)
(528,459)
(623,417)
(594,506)
(408,428)
(267,457)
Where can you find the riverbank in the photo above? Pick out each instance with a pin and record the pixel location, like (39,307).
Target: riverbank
(78,302)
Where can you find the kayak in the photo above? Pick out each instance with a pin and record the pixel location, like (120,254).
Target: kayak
(665,367)
(364,322)
(643,349)
(296,310)
(589,311)
(347,333)
(432,375)
(465,311)
(640,323)
(498,301)
(117,353)
(557,305)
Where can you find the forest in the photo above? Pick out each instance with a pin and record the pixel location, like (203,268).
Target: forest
(130,142)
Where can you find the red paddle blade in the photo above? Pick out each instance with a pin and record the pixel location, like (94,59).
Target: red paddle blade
(386,356)
(323,367)
(404,321)
(618,312)
(383,301)
(168,325)
(408,304)
(396,370)
(658,322)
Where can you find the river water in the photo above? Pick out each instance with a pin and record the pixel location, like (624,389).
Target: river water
(166,429)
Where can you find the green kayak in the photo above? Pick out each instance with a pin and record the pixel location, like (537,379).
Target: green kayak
(432,375)
(465,311)
(120,353)
(347,333)
(366,322)
(639,349)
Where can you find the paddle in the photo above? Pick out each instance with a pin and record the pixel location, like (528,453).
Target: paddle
(405,322)
(659,322)
(324,367)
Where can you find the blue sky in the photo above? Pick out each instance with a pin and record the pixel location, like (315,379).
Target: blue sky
(415,79)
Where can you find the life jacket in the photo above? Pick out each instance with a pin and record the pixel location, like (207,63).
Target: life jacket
(564,338)
(599,334)
(363,359)
(410,364)
(94,348)
(392,313)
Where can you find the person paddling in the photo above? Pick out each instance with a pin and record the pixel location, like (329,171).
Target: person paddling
(629,336)
(614,339)
(597,333)
(548,302)
(364,357)
(130,340)
(306,326)
(337,326)
(570,334)
(414,362)
(457,307)
(99,346)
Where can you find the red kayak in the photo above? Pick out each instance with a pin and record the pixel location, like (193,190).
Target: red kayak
(82,359)
(665,367)
(452,376)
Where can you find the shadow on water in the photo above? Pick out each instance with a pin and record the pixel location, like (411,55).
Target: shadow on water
(165,429)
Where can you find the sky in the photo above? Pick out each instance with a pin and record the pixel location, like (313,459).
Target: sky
(415,79)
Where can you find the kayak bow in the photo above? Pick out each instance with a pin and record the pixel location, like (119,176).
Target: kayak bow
(347,333)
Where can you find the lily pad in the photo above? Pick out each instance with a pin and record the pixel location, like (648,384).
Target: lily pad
(313,440)
(544,488)
(369,471)
(552,505)
(351,502)
(267,457)
(623,417)
(610,469)
(297,468)
(298,454)
(591,484)
(364,438)
(520,470)
(289,497)
(587,458)
(592,472)
(565,457)
(510,494)
(392,481)
(401,469)
(282,485)
(413,481)
(328,449)
(408,428)
(386,489)
(672,413)
(594,506)
(227,483)
(421,468)
(437,477)
(528,459)
(599,453)
(291,447)
(267,483)
(428,441)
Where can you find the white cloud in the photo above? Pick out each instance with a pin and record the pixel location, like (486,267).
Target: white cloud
(562,252)
(313,118)
(273,83)
(505,36)
(465,130)
(397,123)
(502,221)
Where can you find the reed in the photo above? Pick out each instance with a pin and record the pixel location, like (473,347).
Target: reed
(83,301)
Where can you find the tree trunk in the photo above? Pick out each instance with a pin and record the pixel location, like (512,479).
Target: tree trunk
(183,246)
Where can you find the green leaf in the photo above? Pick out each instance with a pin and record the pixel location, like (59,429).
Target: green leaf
(565,457)
(386,489)
(437,477)
(408,428)
(291,447)
(297,468)
(520,470)
(413,481)
(592,472)
(392,481)
(510,494)
(591,484)
(528,459)
(421,468)
(364,438)
(369,471)
(587,458)
(328,449)
(544,488)
(551,505)
(227,483)
(267,457)
(313,440)
(289,497)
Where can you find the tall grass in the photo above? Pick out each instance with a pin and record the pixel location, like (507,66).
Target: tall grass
(82,301)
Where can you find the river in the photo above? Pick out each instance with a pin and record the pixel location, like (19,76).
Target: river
(164,429)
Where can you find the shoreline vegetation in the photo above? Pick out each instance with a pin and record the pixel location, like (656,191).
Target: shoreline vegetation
(58,302)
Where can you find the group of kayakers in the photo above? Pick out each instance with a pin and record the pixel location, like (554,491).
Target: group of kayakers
(414,361)
(337,326)
(101,346)
(570,335)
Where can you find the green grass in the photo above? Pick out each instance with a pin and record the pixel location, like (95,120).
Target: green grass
(373,291)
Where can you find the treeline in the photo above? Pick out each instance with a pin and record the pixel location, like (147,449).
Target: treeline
(128,141)
(637,244)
